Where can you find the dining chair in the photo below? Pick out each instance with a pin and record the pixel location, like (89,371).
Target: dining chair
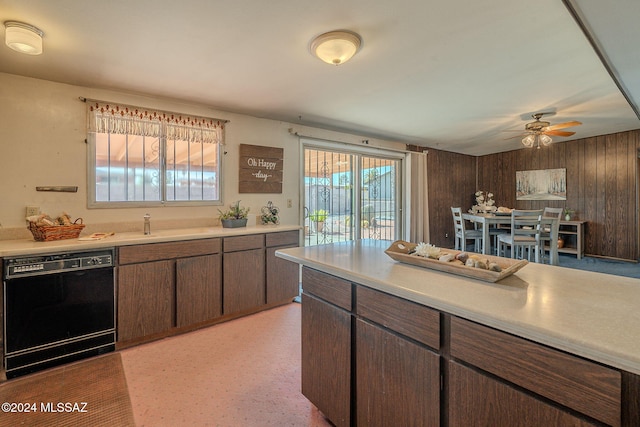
(524,235)
(549,230)
(462,234)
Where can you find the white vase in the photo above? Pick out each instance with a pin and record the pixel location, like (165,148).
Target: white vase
(567,217)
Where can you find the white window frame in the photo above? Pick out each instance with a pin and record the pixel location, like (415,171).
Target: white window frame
(92,203)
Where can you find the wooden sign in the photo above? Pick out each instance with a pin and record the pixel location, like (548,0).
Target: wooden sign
(260,169)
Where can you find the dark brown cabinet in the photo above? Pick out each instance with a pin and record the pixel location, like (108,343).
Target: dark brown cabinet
(374,359)
(198,289)
(243,273)
(397,382)
(282,275)
(164,285)
(145,299)
(326,356)
(326,359)
(478,400)
(575,383)
(167,288)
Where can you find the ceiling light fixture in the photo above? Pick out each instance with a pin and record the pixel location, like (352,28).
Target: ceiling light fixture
(23,38)
(336,47)
(535,139)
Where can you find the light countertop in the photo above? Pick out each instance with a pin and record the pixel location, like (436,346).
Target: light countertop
(593,315)
(31,247)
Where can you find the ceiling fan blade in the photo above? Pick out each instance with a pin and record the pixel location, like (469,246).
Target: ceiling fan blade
(562,125)
(558,133)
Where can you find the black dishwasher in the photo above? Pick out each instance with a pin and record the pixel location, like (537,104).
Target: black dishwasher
(57,308)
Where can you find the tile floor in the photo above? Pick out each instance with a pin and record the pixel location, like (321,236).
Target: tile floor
(245,372)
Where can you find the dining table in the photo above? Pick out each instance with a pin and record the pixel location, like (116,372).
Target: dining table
(495,219)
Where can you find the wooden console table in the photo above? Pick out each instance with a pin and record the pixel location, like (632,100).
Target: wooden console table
(573,234)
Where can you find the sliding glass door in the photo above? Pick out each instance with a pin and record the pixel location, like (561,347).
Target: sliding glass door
(351,194)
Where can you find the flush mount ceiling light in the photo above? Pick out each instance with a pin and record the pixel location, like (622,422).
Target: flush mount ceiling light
(23,38)
(336,47)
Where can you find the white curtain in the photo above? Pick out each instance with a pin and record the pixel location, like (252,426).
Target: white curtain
(124,119)
(418,199)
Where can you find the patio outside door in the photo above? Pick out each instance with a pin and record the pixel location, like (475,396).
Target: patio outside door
(350,195)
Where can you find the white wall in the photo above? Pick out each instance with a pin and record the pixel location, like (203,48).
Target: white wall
(42,143)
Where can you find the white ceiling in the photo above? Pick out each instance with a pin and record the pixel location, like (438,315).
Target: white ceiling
(452,75)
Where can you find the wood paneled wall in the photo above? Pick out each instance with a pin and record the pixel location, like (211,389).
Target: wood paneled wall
(602,187)
(452,182)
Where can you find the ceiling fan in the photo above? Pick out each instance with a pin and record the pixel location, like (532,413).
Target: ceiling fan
(540,131)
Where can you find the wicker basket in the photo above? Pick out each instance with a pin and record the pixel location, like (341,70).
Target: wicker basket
(47,233)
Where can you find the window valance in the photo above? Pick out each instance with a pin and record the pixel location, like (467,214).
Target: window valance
(124,119)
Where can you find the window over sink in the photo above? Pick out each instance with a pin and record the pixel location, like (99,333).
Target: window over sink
(144,157)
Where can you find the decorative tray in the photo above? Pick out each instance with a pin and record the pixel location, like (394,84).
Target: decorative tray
(399,251)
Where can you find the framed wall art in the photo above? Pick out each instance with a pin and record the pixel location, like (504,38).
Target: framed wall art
(542,184)
(260,169)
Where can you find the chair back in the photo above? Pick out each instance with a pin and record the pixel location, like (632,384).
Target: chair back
(458,221)
(525,223)
(551,219)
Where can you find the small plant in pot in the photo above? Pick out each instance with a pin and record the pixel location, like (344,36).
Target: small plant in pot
(319,216)
(568,213)
(235,216)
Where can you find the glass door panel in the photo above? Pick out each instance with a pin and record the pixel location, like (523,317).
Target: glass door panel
(379,207)
(328,196)
(349,195)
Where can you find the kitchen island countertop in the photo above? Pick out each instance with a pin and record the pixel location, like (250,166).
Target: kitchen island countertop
(593,315)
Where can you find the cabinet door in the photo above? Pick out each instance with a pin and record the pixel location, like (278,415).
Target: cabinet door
(326,359)
(198,289)
(145,299)
(478,400)
(398,381)
(244,286)
(282,277)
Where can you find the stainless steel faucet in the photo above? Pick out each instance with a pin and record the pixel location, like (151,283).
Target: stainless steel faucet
(147,224)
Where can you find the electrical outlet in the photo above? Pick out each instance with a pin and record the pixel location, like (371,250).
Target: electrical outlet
(33,210)
(289,203)
(446,235)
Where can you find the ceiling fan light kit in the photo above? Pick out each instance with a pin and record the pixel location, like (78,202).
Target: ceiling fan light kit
(336,47)
(23,38)
(537,132)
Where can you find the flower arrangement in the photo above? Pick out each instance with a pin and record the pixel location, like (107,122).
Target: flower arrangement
(234,212)
(484,202)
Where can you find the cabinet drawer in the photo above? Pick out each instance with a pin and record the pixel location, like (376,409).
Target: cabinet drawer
(579,384)
(327,287)
(407,318)
(282,238)
(157,251)
(243,243)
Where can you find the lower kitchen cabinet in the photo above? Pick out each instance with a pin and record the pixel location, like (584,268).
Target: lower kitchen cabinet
(166,285)
(243,273)
(375,359)
(145,299)
(198,289)
(577,384)
(478,400)
(397,382)
(326,358)
(282,277)
(169,287)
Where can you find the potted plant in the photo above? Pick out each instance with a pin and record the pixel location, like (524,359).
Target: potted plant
(567,214)
(235,216)
(319,216)
(270,214)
